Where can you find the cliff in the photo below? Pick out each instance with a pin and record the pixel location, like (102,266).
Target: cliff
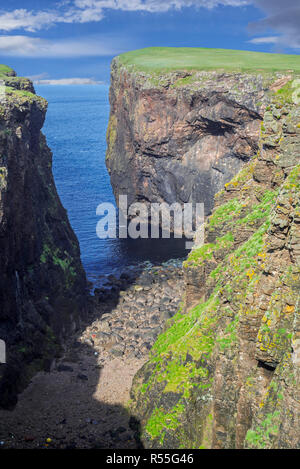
(226,371)
(42,282)
(179,136)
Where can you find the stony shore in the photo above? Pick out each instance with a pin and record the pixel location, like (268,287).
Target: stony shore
(82,401)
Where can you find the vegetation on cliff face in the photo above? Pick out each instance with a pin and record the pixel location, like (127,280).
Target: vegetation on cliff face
(42,281)
(6,71)
(160,59)
(226,371)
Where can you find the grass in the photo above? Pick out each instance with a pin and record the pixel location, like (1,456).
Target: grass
(154,59)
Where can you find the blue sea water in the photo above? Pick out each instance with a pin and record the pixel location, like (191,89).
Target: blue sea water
(75,128)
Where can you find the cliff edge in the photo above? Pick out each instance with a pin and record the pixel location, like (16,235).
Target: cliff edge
(42,282)
(226,371)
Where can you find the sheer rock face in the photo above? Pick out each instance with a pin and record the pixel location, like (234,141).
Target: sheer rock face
(180,137)
(42,282)
(226,372)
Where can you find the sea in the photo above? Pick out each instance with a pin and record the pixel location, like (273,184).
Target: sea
(75,128)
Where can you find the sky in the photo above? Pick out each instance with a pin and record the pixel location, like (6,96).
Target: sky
(73,41)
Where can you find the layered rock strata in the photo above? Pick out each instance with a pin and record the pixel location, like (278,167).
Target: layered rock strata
(42,282)
(226,372)
(180,136)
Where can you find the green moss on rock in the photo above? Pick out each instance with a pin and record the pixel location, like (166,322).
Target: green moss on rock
(231,356)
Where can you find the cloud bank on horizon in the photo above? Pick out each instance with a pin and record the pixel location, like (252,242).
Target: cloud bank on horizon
(25,46)
(68,81)
(279,27)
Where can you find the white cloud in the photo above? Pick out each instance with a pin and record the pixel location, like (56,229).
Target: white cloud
(27,20)
(24,46)
(283,17)
(68,81)
(265,40)
(85,11)
(154,5)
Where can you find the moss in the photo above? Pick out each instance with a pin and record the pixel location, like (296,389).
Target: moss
(6,71)
(183,357)
(190,335)
(274,336)
(196,334)
(202,253)
(245,256)
(230,335)
(293,181)
(261,210)
(180,374)
(22,96)
(160,420)
(64,261)
(266,426)
(22,93)
(206,251)
(216,272)
(185,81)
(225,212)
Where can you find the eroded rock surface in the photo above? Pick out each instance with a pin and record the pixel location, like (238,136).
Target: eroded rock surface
(226,373)
(180,137)
(42,282)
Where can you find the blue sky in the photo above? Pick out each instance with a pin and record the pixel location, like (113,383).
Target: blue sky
(54,40)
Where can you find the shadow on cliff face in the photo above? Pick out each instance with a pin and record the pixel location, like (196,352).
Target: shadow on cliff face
(76,404)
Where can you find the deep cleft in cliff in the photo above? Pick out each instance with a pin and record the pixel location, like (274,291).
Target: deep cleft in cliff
(42,282)
(226,371)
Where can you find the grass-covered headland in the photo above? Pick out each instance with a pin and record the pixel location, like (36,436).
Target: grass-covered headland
(153,59)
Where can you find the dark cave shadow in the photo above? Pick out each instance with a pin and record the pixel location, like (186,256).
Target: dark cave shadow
(98,425)
(93,432)
(103,302)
